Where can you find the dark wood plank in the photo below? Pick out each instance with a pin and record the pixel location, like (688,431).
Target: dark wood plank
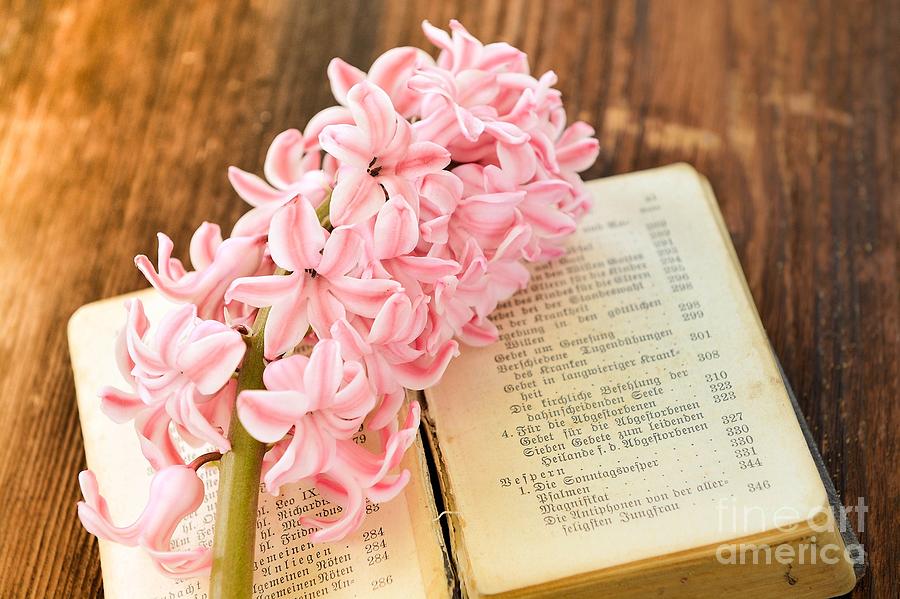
(117,119)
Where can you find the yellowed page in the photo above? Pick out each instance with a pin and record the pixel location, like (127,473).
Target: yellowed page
(632,407)
(397,553)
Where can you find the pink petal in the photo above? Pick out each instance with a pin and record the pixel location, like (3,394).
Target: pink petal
(548,220)
(343,251)
(204,243)
(478,333)
(171,329)
(309,453)
(283,164)
(363,296)
(391,319)
(324,308)
(333,115)
(356,198)
(373,113)
(425,268)
(574,133)
(437,36)
(296,237)
(119,406)
(426,371)
(323,376)
(175,492)
(95,517)
(192,563)
(347,143)
(466,49)
(184,411)
(210,361)
(422,158)
(389,487)
(286,374)
(142,355)
(578,156)
(442,190)
(477,87)
(269,415)
(352,513)
(386,413)
(256,220)
(469,125)
(506,132)
(342,77)
(498,55)
(286,324)
(518,161)
(152,427)
(396,229)
(353,346)
(355,399)
(265,290)
(254,190)
(391,72)
(436,230)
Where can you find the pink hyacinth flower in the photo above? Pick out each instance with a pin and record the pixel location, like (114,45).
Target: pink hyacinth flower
(378,158)
(461,51)
(292,168)
(465,98)
(183,374)
(322,398)
(390,72)
(216,264)
(320,289)
(175,492)
(358,475)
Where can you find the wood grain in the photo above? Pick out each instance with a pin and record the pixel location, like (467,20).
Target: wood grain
(118,118)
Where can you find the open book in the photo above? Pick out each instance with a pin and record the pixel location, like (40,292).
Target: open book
(630,434)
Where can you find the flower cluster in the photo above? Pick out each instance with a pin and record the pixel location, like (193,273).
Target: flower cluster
(385,233)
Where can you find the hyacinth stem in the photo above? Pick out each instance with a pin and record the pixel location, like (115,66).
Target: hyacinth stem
(239,471)
(231,576)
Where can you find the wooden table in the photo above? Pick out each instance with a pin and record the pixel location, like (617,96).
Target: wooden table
(117,119)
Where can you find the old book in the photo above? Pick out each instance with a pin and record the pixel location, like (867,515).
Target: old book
(630,435)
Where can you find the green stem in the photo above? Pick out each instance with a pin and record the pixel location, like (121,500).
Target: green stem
(239,471)
(231,576)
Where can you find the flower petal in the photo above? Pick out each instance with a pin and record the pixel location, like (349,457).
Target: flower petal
(308,454)
(209,361)
(283,164)
(426,371)
(356,198)
(373,113)
(342,77)
(396,229)
(323,376)
(296,237)
(364,297)
(286,324)
(343,252)
(347,143)
(391,319)
(264,290)
(422,158)
(269,415)
(254,190)
(204,243)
